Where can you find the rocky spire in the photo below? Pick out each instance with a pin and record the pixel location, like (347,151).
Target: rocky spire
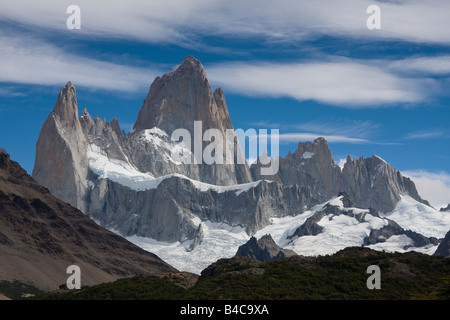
(177,100)
(60,161)
(373,183)
(180,97)
(311,165)
(369,182)
(66,107)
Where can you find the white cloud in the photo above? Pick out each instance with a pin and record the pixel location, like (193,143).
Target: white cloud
(351,128)
(346,82)
(180,21)
(426,134)
(439,65)
(432,186)
(28,61)
(337,81)
(304,136)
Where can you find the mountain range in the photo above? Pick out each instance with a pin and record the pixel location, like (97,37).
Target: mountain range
(191,213)
(121,204)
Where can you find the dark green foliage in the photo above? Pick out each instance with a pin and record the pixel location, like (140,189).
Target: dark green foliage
(18,290)
(136,288)
(339,276)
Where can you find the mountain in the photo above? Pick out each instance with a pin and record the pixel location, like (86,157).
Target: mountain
(263,249)
(176,101)
(40,236)
(156,191)
(369,183)
(446,209)
(444,247)
(62,164)
(132,184)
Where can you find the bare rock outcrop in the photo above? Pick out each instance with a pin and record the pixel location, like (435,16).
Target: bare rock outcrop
(263,249)
(444,247)
(368,182)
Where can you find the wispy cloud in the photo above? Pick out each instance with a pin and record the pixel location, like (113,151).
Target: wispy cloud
(304,136)
(24,60)
(433,65)
(343,82)
(181,22)
(426,134)
(10,91)
(351,128)
(334,131)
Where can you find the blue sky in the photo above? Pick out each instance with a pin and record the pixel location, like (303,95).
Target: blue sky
(307,68)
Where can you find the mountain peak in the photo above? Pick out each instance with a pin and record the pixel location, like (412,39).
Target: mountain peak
(180,97)
(66,107)
(191,62)
(189,66)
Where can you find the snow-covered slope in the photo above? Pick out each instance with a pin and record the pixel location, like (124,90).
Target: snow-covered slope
(420,218)
(348,227)
(127,175)
(339,231)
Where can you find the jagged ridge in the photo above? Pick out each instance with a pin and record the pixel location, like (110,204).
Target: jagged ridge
(130,182)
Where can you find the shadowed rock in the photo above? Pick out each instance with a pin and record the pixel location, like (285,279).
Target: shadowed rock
(264,249)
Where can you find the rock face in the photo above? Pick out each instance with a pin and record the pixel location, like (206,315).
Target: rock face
(311,165)
(264,249)
(373,183)
(133,182)
(369,183)
(40,236)
(445,209)
(93,165)
(444,247)
(178,99)
(61,162)
(166,213)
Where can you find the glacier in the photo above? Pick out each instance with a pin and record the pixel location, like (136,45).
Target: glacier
(340,231)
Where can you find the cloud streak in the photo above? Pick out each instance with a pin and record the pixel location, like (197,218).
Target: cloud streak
(426,134)
(337,81)
(437,66)
(24,60)
(179,21)
(305,136)
(334,131)
(345,82)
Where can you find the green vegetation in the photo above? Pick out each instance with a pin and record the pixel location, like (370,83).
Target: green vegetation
(136,288)
(339,276)
(18,290)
